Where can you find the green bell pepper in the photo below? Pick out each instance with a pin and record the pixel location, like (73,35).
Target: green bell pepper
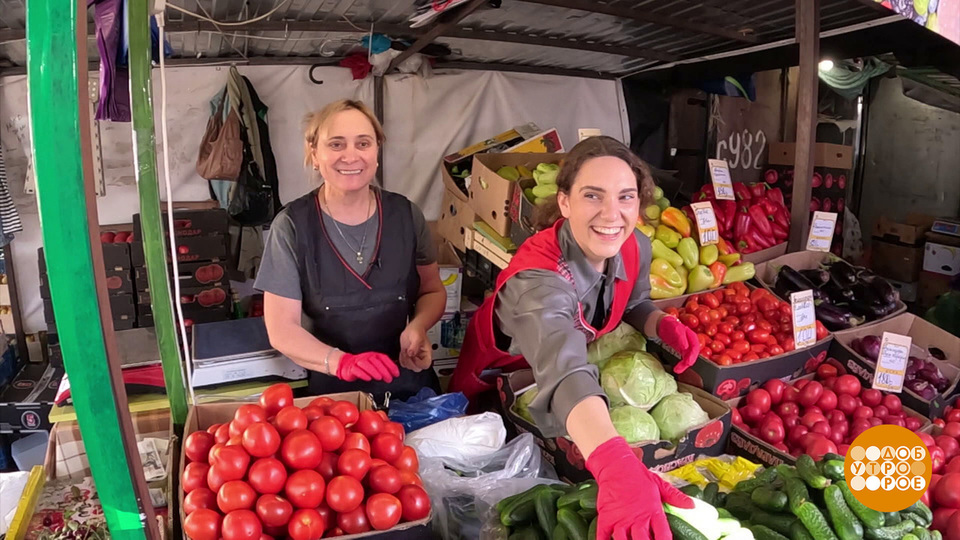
(661,251)
(689,251)
(740,272)
(700,279)
(660,267)
(709,255)
(668,236)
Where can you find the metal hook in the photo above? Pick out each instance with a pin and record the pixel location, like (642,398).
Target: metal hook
(313,79)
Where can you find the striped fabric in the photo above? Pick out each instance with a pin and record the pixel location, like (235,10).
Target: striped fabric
(9,217)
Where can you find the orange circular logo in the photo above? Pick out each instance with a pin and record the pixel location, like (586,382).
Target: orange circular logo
(887,468)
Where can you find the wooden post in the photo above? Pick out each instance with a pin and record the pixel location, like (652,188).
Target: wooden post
(56,77)
(808,39)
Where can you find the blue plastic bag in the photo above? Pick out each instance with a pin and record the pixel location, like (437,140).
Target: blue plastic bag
(427,408)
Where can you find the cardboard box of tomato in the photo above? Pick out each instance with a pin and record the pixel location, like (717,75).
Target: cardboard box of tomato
(200,417)
(838,407)
(706,440)
(731,369)
(926,337)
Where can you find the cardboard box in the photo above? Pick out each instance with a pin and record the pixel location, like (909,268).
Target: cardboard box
(189,249)
(456,216)
(897,261)
(490,194)
(931,287)
(941,259)
(924,335)
(190,223)
(192,314)
(909,232)
(122,307)
(200,297)
(522,213)
(833,156)
(706,440)
(806,260)
(198,274)
(730,381)
(205,415)
(489,250)
(115,255)
(743,443)
(765,255)
(26,402)
(444,368)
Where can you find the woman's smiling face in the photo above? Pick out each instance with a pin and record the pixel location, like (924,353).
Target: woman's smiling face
(346,151)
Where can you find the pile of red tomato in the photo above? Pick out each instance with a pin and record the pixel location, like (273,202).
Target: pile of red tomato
(277,470)
(819,415)
(943,495)
(736,324)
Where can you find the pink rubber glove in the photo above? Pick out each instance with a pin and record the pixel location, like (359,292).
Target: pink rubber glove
(368,366)
(678,337)
(630,497)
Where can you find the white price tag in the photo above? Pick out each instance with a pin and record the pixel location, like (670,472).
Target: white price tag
(892,362)
(722,184)
(584,133)
(804,319)
(821,231)
(706,223)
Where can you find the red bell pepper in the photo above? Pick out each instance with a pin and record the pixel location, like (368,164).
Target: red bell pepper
(706,193)
(783,215)
(776,196)
(729,213)
(747,246)
(741,226)
(769,208)
(688,211)
(759,220)
(757,189)
(741,191)
(759,239)
(780,231)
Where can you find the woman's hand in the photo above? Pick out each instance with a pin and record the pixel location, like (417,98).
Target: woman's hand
(630,497)
(681,339)
(415,351)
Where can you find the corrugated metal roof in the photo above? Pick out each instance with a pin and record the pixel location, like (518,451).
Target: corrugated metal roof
(632,44)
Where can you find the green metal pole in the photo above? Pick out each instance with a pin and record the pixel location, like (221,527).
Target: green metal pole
(154,246)
(52,75)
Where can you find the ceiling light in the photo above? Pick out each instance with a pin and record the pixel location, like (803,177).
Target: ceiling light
(826,65)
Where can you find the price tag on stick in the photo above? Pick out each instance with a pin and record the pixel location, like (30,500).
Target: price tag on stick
(706,223)
(804,319)
(822,227)
(720,175)
(892,362)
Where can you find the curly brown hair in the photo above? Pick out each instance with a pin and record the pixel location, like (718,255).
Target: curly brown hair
(587,149)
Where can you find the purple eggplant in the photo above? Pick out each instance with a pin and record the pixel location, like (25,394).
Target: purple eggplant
(883,289)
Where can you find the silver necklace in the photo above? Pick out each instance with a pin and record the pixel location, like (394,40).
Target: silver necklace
(363,239)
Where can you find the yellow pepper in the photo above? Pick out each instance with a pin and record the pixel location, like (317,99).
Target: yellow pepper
(708,255)
(730,259)
(701,278)
(660,267)
(674,218)
(647,230)
(660,289)
(663,252)
(668,236)
(741,272)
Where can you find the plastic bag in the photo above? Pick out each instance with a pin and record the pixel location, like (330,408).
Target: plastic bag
(462,439)
(427,408)
(726,470)
(464,494)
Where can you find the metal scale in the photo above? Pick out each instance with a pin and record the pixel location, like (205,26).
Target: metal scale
(238,350)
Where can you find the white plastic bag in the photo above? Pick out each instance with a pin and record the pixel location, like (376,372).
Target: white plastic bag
(464,494)
(461,439)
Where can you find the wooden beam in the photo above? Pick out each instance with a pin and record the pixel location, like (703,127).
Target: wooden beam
(577,43)
(446,21)
(524,68)
(646,16)
(808,38)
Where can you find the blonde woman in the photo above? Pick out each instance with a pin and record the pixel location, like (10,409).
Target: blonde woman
(354,262)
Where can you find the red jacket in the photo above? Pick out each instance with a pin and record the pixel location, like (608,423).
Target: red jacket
(541,251)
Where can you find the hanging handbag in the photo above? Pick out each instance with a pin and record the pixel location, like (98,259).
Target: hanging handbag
(221,150)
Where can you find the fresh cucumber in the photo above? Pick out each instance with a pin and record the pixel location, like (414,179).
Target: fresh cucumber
(574,524)
(786,471)
(769,499)
(768,476)
(832,469)
(893,532)
(710,493)
(545,505)
(587,514)
(910,536)
(682,530)
(724,513)
(923,512)
(797,493)
(922,533)
(592,530)
(871,518)
(810,473)
(891,518)
(559,533)
(521,510)
(778,522)
(815,523)
(799,532)
(761,532)
(830,456)
(529,532)
(740,506)
(846,525)
(692,490)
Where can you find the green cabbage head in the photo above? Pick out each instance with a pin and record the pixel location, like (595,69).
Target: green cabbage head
(621,338)
(634,424)
(635,378)
(677,414)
